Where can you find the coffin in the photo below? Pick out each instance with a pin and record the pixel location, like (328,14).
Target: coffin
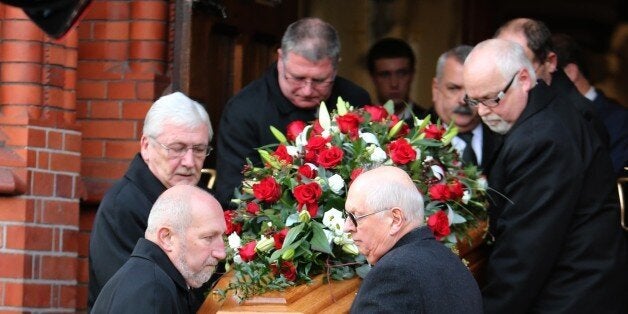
(327,297)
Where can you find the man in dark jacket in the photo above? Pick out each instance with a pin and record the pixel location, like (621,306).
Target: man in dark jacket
(182,246)
(558,247)
(412,272)
(292,89)
(174,145)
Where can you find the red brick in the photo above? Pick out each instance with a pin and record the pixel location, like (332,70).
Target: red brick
(58,267)
(21,30)
(16,209)
(122,90)
(86,220)
(84,29)
(21,72)
(27,295)
(83,270)
(42,183)
(101,70)
(67,298)
(54,76)
(65,162)
(61,213)
(53,97)
(146,90)
(149,10)
(70,79)
(14,13)
(105,109)
(148,50)
(64,186)
(43,160)
(17,114)
(21,51)
(146,69)
(110,10)
(15,266)
(55,140)
(135,110)
(108,129)
(111,30)
(72,142)
(104,169)
(92,148)
(28,238)
(1,246)
(36,137)
(148,30)
(81,298)
(103,51)
(91,89)
(55,55)
(71,58)
(122,149)
(21,94)
(70,241)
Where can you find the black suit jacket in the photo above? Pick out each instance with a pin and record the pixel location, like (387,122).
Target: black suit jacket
(558,245)
(615,118)
(147,283)
(418,275)
(246,120)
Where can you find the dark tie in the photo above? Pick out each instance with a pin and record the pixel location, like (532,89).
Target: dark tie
(468,155)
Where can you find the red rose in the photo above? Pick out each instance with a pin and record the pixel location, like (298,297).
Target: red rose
(349,124)
(317,128)
(294,128)
(401,152)
(331,157)
(281,153)
(247,252)
(310,156)
(439,192)
(231,225)
(279,237)
(316,143)
(403,131)
(312,209)
(355,173)
(287,269)
(307,172)
(307,193)
(252,208)
(456,190)
(377,112)
(267,190)
(439,223)
(434,131)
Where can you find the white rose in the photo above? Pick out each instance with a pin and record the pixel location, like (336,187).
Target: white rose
(336,184)
(378,155)
(333,220)
(234,241)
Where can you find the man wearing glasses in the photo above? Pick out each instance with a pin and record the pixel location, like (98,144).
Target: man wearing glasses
(411,271)
(557,247)
(174,145)
(292,89)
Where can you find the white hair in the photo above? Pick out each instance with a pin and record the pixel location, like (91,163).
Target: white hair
(177,109)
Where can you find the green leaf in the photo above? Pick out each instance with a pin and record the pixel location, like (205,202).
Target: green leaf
(390,107)
(319,240)
(292,234)
(278,135)
(341,106)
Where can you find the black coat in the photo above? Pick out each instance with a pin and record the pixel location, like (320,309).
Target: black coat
(120,221)
(418,275)
(615,118)
(558,245)
(246,120)
(147,283)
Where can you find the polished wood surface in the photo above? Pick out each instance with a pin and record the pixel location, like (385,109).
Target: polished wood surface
(332,297)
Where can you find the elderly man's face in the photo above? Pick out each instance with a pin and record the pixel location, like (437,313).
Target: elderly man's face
(164,162)
(303,82)
(448,97)
(392,78)
(201,246)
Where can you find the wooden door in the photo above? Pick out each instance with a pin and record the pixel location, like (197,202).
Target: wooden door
(220,46)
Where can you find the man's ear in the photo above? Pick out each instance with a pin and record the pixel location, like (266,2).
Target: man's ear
(434,90)
(165,239)
(398,219)
(551,62)
(144,142)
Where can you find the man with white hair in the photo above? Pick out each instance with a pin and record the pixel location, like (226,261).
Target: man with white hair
(182,246)
(557,247)
(174,144)
(412,272)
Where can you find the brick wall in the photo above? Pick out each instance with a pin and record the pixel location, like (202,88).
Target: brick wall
(70,121)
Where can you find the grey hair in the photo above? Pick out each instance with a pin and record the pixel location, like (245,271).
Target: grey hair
(509,57)
(177,109)
(173,209)
(459,53)
(391,192)
(313,39)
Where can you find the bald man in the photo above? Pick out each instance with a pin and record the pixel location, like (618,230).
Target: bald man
(412,272)
(182,246)
(558,247)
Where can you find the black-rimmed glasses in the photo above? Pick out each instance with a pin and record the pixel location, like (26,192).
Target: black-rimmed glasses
(490,102)
(354,219)
(178,150)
